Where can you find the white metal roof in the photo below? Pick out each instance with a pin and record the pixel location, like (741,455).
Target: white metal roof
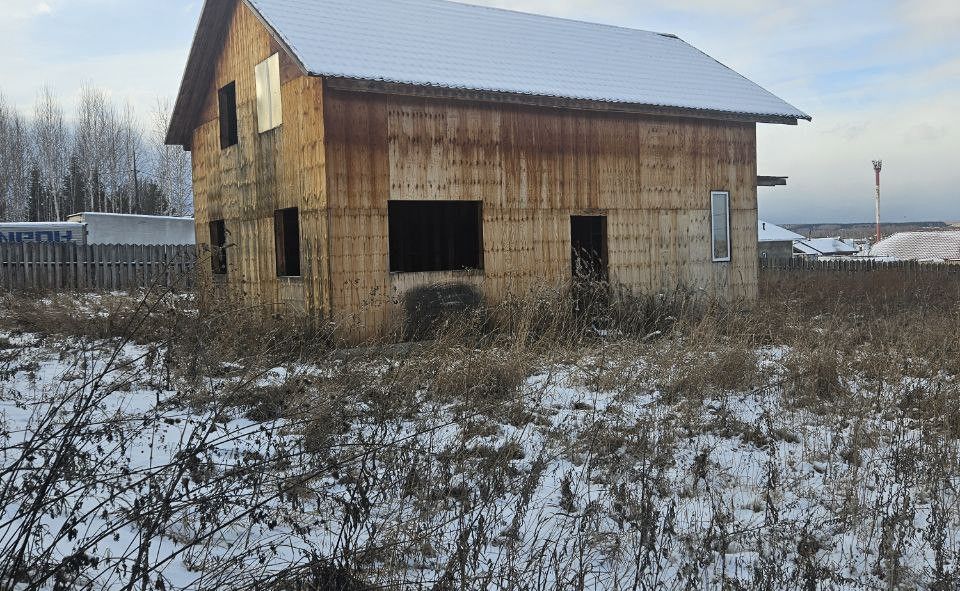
(767,232)
(452,45)
(825,246)
(914,246)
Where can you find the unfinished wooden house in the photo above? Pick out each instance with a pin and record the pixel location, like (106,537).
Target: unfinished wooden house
(349,152)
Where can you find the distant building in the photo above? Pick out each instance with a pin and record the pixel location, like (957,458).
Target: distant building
(825,247)
(775,242)
(103,228)
(118,228)
(919,246)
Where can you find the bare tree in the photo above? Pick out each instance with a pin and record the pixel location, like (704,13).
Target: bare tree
(108,159)
(93,138)
(50,137)
(171,164)
(15,149)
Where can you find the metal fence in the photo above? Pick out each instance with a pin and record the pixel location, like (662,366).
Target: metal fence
(69,266)
(852,265)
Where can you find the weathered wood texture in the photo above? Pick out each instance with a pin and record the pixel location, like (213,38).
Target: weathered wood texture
(94,267)
(533,168)
(244,184)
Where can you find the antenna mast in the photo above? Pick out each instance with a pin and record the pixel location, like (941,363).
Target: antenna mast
(877,166)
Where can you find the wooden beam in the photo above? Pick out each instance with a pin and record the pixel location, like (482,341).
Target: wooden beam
(772,181)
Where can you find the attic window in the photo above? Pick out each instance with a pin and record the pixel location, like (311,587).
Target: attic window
(435,236)
(269,111)
(218,247)
(228,115)
(286,231)
(720,225)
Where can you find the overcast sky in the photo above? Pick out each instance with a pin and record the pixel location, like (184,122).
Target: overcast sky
(880,77)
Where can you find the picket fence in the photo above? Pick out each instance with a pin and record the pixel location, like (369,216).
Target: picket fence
(855,265)
(94,267)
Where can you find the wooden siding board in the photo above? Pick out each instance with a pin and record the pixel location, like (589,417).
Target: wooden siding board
(533,169)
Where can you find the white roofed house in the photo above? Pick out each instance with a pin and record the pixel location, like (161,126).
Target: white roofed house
(825,247)
(361,153)
(942,246)
(775,242)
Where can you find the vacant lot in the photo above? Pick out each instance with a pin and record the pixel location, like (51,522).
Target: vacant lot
(808,442)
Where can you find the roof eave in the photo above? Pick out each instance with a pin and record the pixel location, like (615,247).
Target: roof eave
(430,91)
(210,32)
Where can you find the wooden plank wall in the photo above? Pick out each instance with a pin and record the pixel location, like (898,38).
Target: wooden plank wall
(533,168)
(95,267)
(244,184)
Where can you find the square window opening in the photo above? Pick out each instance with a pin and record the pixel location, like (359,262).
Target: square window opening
(269,110)
(428,236)
(286,228)
(218,247)
(228,115)
(720,225)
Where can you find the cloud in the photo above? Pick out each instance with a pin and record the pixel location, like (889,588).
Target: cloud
(930,20)
(19,10)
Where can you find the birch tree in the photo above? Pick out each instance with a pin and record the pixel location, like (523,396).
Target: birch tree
(51,140)
(172,170)
(15,157)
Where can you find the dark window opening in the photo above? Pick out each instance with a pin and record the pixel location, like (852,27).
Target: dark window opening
(228,115)
(435,236)
(218,247)
(588,242)
(286,229)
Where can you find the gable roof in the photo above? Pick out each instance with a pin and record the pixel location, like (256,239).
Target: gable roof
(919,246)
(442,44)
(767,232)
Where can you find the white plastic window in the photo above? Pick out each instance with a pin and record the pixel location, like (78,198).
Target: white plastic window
(269,110)
(720,225)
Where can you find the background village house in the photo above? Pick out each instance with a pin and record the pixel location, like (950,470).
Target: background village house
(775,243)
(349,152)
(942,246)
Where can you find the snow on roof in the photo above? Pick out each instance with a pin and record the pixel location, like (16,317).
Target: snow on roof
(908,246)
(452,45)
(767,232)
(34,225)
(99,214)
(825,246)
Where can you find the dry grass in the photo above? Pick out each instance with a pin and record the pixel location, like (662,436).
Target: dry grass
(847,368)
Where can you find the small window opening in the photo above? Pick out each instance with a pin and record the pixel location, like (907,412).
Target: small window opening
(228,115)
(286,228)
(218,247)
(435,236)
(720,225)
(269,110)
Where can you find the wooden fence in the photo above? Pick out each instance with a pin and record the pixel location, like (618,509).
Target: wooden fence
(852,265)
(94,267)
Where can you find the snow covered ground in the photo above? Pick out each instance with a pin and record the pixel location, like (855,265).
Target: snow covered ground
(590,475)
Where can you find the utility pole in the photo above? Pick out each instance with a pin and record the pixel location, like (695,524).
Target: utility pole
(877,165)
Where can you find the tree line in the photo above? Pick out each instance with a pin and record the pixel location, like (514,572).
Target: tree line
(103,158)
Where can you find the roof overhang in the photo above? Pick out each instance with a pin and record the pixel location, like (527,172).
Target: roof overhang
(772,181)
(442,92)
